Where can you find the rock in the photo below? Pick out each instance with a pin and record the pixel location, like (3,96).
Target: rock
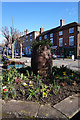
(41,61)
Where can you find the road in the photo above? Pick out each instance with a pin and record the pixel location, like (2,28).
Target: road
(74,65)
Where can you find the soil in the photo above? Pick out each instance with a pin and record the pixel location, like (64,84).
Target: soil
(52,98)
(66,89)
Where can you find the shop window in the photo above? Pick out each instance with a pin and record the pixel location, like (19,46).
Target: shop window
(60,42)
(71,41)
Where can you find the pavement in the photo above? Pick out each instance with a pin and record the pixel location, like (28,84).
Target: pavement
(74,65)
(64,110)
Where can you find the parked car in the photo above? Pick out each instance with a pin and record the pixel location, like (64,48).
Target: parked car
(17,53)
(54,56)
(4,58)
(23,54)
(58,56)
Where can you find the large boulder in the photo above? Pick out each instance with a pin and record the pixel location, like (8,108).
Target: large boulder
(41,61)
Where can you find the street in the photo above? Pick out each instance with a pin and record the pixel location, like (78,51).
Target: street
(74,65)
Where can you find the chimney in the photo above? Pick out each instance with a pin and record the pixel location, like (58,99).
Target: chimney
(62,22)
(26,31)
(41,30)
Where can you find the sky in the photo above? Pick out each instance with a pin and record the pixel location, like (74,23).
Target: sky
(33,15)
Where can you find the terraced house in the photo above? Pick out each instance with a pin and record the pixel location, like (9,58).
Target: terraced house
(65,39)
(27,40)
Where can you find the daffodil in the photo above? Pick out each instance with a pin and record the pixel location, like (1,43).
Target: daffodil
(64,73)
(72,74)
(44,94)
(57,77)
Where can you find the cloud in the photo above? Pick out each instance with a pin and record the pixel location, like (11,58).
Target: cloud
(71,12)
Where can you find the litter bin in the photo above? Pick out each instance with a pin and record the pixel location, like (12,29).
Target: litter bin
(73,57)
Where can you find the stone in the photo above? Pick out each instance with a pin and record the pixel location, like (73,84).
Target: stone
(47,112)
(41,61)
(19,109)
(69,106)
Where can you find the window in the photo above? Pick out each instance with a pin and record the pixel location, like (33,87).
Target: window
(71,30)
(31,38)
(23,41)
(26,38)
(45,36)
(60,33)
(51,35)
(51,40)
(60,42)
(40,38)
(71,40)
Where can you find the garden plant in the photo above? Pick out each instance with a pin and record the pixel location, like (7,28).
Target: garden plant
(23,84)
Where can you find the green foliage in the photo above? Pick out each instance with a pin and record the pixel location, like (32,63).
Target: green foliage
(56,88)
(41,42)
(9,76)
(8,57)
(27,72)
(11,92)
(31,93)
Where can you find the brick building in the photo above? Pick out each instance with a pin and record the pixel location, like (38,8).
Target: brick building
(65,39)
(27,40)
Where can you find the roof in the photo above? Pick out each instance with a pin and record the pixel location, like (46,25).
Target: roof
(28,34)
(59,28)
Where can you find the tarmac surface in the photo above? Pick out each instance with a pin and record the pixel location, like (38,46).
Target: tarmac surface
(74,65)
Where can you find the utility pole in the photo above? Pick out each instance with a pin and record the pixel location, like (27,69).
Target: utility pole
(14,42)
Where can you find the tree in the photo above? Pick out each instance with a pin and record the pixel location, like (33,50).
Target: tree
(5,33)
(10,37)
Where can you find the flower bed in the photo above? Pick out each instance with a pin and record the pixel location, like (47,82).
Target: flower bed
(22,84)
(8,64)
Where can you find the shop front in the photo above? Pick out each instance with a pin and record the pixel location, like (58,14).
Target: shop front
(67,52)
(54,50)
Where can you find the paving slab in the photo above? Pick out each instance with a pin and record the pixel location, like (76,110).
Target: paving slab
(19,109)
(47,112)
(64,110)
(22,109)
(69,106)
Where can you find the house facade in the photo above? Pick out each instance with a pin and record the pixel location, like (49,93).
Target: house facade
(27,41)
(65,39)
